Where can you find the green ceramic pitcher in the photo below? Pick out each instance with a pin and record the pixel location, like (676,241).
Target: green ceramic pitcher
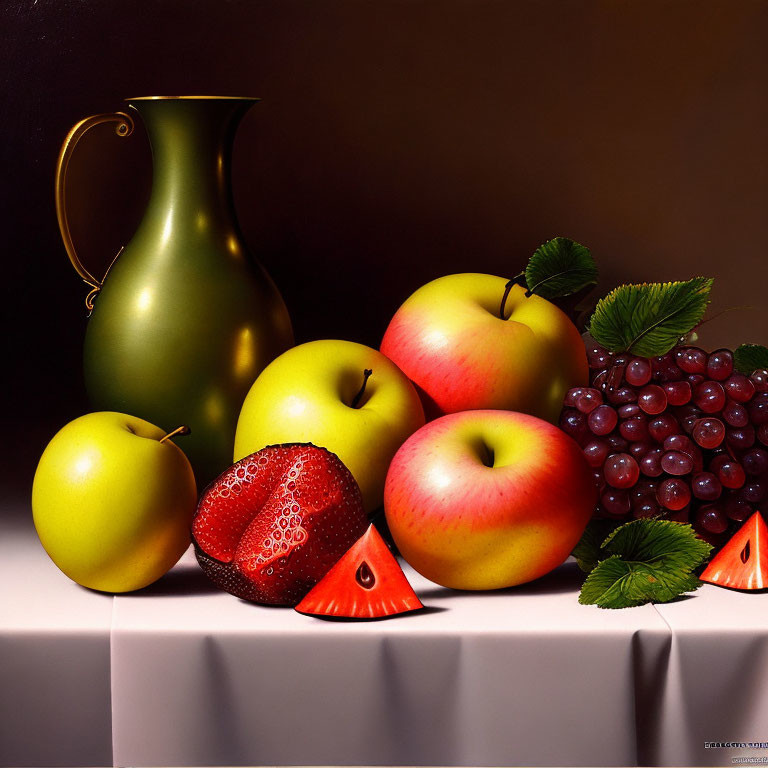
(186,317)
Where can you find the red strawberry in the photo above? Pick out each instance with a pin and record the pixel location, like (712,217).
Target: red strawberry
(272,525)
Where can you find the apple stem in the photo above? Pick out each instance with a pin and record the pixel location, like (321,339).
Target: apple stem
(366,373)
(507,289)
(517,280)
(182,430)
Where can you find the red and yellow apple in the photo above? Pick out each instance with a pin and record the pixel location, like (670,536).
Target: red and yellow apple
(339,395)
(487,499)
(466,347)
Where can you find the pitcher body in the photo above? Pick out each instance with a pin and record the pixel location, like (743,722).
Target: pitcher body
(186,318)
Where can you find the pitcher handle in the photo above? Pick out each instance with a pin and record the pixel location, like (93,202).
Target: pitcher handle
(124,127)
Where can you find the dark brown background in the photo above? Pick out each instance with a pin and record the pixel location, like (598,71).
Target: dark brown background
(396,141)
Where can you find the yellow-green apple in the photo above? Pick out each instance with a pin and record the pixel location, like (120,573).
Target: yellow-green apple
(113,500)
(321,393)
(467,344)
(488,499)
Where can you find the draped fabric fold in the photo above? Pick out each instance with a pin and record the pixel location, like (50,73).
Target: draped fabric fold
(183,674)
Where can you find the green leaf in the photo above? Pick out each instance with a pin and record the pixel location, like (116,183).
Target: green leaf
(617,583)
(750,357)
(649,319)
(675,545)
(560,267)
(589,551)
(651,561)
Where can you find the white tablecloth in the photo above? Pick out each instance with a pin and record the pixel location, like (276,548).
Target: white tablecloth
(527,676)
(54,660)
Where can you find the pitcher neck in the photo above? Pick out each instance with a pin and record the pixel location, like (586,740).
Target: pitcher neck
(191,140)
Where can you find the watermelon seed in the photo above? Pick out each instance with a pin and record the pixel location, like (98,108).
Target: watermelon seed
(364,576)
(745,553)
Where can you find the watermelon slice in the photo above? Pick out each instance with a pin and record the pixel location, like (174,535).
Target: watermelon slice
(743,562)
(367,583)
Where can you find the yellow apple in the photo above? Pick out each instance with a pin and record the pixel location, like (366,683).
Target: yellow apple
(113,501)
(315,393)
(468,347)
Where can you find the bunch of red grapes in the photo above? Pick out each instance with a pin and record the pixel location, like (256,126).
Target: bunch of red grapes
(682,436)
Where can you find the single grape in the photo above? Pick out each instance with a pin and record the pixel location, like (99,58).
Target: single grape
(755,461)
(738,509)
(615,375)
(621,470)
(762,434)
(754,491)
(621,396)
(741,438)
(698,459)
(694,379)
(712,519)
(692,360)
(572,396)
(709,432)
(735,414)
(596,452)
(589,400)
(635,429)
(615,502)
(598,382)
(597,356)
(628,411)
(680,443)
(676,463)
(602,420)
(688,423)
(720,364)
(664,367)
(599,480)
(709,396)
(638,371)
(617,443)
(642,487)
(739,388)
(687,415)
(645,506)
(574,424)
(663,426)
(678,392)
(668,374)
(639,449)
(650,463)
(706,486)
(758,409)
(673,493)
(652,399)
(730,473)
(759,379)
(718,458)
(689,409)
